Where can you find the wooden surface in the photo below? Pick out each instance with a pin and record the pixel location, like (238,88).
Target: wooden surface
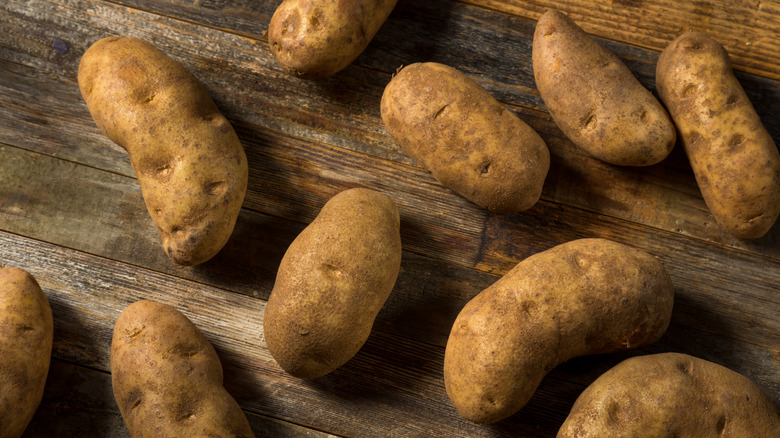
(71,211)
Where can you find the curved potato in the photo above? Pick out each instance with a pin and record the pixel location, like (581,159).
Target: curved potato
(316,38)
(467,139)
(671,395)
(167,378)
(736,163)
(332,281)
(189,162)
(26,333)
(595,99)
(588,296)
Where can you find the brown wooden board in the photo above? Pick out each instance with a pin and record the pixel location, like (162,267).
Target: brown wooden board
(71,210)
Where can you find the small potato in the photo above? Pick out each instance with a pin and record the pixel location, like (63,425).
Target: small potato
(167,377)
(189,161)
(26,332)
(316,38)
(595,99)
(467,139)
(332,281)
(671,395)
(736,163)
(588,296)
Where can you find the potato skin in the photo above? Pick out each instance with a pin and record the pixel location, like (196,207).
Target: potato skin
(588,296)
(332,281)
(671,395)
(26,333)
(736,163)
(167,378)
(595,99)
(467,139)
(189,162)
(312,39)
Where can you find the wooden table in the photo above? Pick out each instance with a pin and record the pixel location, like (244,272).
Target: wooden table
(71,211)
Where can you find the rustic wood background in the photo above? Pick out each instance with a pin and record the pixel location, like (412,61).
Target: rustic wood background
(71,210)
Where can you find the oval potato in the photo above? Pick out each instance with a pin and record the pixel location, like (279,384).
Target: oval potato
(317,38)
(671,395)
(189,162)
(588,296)
(467,139)
(167,378)
(332,281)
(736,163)
(595,99)
(26,334)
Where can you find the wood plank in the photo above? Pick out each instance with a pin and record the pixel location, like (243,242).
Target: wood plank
(750,30)
(79,401)
(392,387)
(663,196)
(38,193)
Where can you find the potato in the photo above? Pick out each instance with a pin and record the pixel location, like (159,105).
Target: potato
(467,139)
(736,163)
(167,378)
(189,161)
(316,38)
(332,282)
(675,396)
(595,99)
(26,332)
(588,296)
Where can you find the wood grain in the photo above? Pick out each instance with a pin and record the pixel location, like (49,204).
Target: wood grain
(71,210)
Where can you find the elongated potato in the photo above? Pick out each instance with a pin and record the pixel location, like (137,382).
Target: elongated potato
(671,395)
(26,332)
(316,38)
(188,160)
(595,99)
(467,139)
(332,282)
(167,378)
(588,296)
(736,163)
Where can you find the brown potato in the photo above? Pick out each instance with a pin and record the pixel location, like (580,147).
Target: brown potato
(467,139)
(26,333)
(316,38)
(189,161)
(595,99)
(167,377)
(332,281)
(588,296)
(671,395)
(736,163)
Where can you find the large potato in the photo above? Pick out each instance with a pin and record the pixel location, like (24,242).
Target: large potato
(189,161)
(467,139)
(595,99)
(167,378)
(317,38)
(671,395)
(332,281)
(26,332)
(736,163)
(588,296)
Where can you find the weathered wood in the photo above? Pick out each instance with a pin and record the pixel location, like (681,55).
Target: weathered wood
(335,123)
(71,211)
(392,387)
(79,401)
(750,30)
(39,192)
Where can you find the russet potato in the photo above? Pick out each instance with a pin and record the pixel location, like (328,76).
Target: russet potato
(332,281)
(189,162)
(587,296)
(735,160)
